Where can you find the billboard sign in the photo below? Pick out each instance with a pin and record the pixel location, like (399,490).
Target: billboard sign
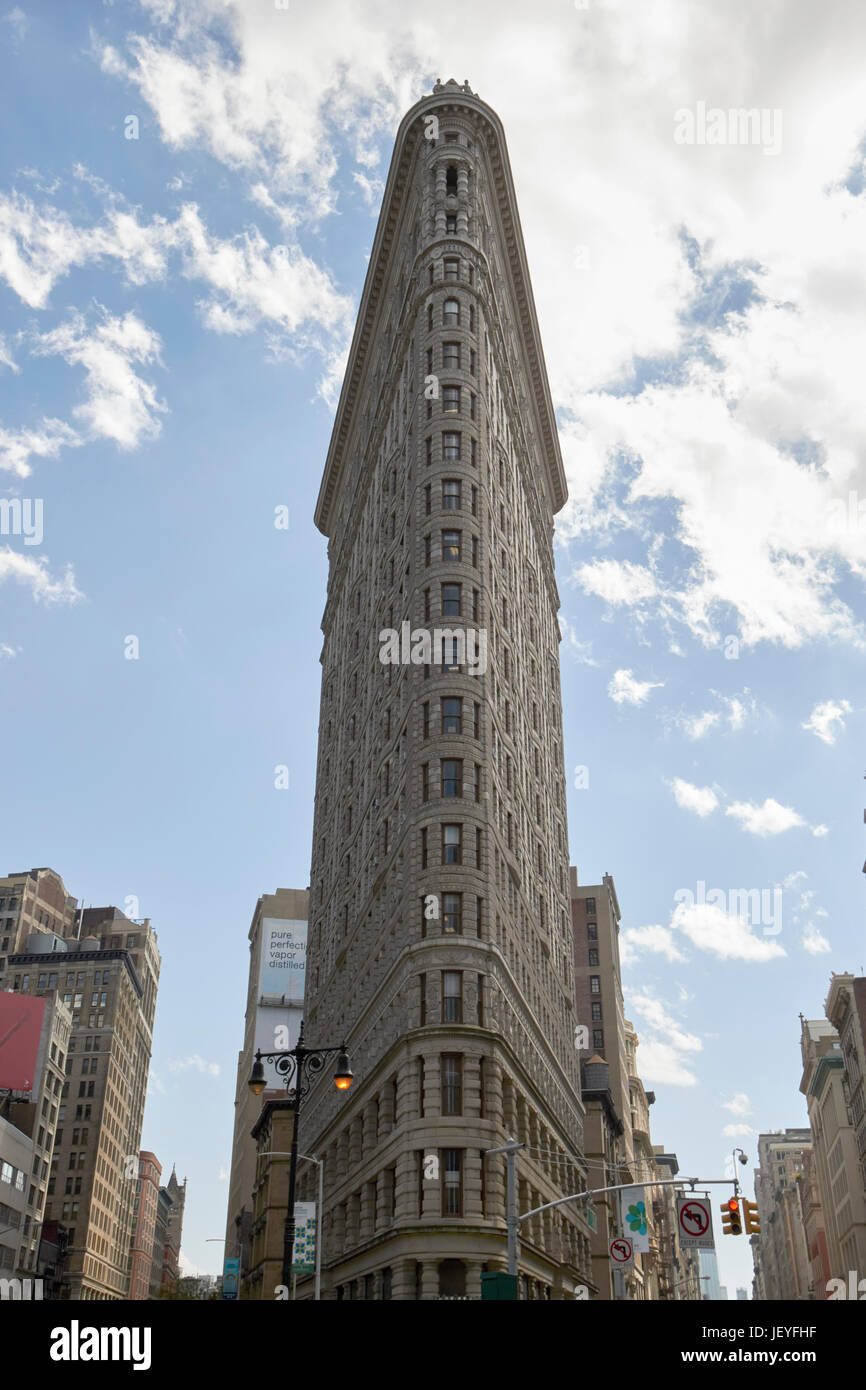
(283,962)
(21,1019)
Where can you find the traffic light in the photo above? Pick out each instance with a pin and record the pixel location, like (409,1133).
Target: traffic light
(751,1218)
(731,1222)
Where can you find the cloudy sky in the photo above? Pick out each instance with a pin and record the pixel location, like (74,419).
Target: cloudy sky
(188,198)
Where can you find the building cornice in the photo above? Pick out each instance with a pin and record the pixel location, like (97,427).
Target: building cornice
(445,98)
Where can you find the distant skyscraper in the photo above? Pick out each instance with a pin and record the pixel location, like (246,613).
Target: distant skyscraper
(440,933)
(108,979)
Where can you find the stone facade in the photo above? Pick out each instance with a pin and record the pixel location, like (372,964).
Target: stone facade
(440,942)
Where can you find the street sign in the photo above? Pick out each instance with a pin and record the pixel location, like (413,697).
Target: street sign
(694,1223)
(621,1253)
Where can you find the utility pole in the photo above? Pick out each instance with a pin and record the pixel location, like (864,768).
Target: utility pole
(511,1217)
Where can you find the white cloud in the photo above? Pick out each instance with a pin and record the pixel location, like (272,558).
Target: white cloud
(656,940)
(662,1065)
(663,1043)
(722,934)
(819,831)
(8,653)
(46,440)
(737,1131)
(814,941)
(195,1063)
(695,726)
(249,282)
(739,1104)
(617,582)
(737,709)
(6,359)
(771,818)
(33,572)
(120,404)
(827,720)
(625,689)
(656,1016)
(18,23)
(702,800)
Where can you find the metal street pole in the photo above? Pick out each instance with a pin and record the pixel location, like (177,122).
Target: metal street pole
(512,1220)
(310,1158)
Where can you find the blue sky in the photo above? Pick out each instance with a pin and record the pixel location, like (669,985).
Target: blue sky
(175,310)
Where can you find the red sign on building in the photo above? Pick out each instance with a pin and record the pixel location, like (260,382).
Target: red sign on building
(21,1018)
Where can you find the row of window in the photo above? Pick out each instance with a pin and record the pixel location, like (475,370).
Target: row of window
(452,496)
(452,548)
(11,1175)
(452,358)
(452,997)
(452,315)
(451,846)
(450,779)
(452,450)
(450,397)
(451,602)
(451,716)
(451,920)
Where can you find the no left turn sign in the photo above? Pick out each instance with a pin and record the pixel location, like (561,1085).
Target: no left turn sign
(621,1252)
(695,1225)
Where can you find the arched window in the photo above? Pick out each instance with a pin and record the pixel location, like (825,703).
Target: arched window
(451,179)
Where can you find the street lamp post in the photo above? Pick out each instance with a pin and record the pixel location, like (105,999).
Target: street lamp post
(300,1064)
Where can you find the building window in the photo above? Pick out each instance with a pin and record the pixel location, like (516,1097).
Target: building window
(427,496)
(452,996)
(427,550)
(425,781)
(452,777)
(422,1008)
(424,848)
(593,956)
(592,931)
(451,1167)
(452,1084)
(452,716)
(452,597)
(452,913)
(475,551)
(451,541)
(590,906)
(451,495)
(451,400)
(595,984)
(598,1039)
(451,313)
(452,264)
(452,844)
(477,781)
(451,356)
(596,1013)
(451,447)
(428,450)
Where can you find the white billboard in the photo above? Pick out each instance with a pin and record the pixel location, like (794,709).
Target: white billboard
(283,962)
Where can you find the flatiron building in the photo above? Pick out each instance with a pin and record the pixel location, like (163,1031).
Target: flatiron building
(440,930)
